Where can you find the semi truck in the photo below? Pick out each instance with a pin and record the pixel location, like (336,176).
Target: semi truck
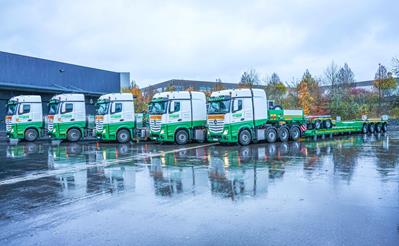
(178,117)
(116,119)
(24,118)
(245,115)
(67,118)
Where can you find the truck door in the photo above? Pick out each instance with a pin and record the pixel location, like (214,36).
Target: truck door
(237,114)
(24,113)
(67,112)
(175,112)
(116,115)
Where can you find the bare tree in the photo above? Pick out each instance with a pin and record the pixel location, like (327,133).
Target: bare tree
(395,69)
(249,79)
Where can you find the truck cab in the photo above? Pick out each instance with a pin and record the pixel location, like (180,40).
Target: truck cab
(115,117)
(24,117)
(244,116)
(67,117)
(178,117)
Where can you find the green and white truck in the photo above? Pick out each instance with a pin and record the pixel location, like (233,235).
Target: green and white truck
(116,118)
(24,118)
(178,117)
(245,115)
(67,118)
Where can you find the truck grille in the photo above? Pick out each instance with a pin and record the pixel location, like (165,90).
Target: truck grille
(8,125)
(216,125)
(155,125)
(99,125)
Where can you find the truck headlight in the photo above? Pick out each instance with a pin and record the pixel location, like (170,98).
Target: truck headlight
(225,132)
(12,130)
(162,131)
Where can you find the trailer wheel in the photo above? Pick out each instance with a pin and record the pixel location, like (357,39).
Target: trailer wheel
(74,135)
(327,124)
(371,128)
(384,127)
(123,136)
(181,137)
(283,134)
(271,135)
(364,129)
(31,134)
(378,127)
(295,133)
(317,124)
(244,138)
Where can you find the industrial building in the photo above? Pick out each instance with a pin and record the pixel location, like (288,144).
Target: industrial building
(24,75)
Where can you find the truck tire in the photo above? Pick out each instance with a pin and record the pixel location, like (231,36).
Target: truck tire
(74,135)
(378,127)
(384,127)
(123,136)
(295,133)
(283,134)
(371,128)
(327,124)
(365,129)
(244,138)
(317,124)
(31,135)
(271,134)
(181,137)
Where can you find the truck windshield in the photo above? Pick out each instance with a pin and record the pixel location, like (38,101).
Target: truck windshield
(11,109)
(158,107)
(219,107)
(53,108)
(102,108)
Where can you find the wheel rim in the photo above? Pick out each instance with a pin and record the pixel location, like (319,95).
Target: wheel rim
(123,136)
(182,138)
(272,135)
(245,138)
(284,135)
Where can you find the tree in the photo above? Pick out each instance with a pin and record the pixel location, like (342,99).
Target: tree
(305,100)
(218,85)
(249,79)
(345,76)
(395,69)
(170,88)
(140,104)
(383,82)
(275,89)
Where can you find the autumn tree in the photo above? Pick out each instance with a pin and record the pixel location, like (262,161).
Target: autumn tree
(383,82)
(275,89)
(140,104)
(249,79)
(218,85)
(305,100)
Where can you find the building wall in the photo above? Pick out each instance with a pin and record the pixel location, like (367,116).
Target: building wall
(30,71)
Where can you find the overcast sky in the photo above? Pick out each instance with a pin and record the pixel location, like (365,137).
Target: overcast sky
(204,40)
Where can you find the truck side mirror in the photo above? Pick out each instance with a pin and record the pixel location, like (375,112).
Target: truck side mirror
(63,108)
(112,108)
(172,107)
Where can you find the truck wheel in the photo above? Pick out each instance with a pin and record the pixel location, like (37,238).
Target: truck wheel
(378,127)
(317,124)
(31,135)
(364,129)
(181,137)
(283,134)
(74,135)
(371,128)
(327,124)
(123,136)
(295,133)
(384,127)
(244,138)
(271,135)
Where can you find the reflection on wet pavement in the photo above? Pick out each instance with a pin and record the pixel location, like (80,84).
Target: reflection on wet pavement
(39,178)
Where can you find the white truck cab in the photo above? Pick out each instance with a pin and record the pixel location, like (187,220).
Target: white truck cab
(24,117)
(178,116)
(115,117)
(67,117)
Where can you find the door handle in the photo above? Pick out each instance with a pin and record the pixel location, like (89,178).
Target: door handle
(121,120)
(72,119)
(29,119)
(242,119)
(179,120)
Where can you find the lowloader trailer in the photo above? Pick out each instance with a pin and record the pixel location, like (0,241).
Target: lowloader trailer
(245,116)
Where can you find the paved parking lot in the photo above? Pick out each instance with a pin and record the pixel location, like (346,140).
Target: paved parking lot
(341,191)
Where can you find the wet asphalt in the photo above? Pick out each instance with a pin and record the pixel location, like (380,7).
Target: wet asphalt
(341,191)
